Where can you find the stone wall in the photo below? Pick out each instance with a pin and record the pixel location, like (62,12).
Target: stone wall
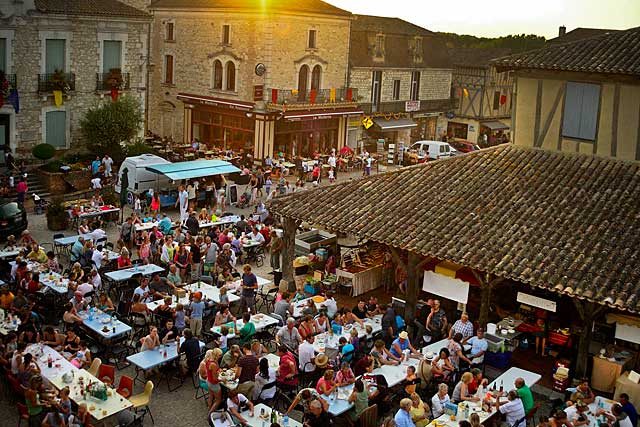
(279,42)
(83,59)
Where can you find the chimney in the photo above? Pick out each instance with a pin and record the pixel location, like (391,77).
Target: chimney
(562,31)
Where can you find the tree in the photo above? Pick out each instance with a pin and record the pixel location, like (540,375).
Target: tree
(109,125)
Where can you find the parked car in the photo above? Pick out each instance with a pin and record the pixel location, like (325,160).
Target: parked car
(13,218)
(431,150)
(465,146)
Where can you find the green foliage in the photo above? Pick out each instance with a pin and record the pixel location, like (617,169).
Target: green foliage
(138,148)
(111,125)
(110,197)
(53,166)
(517,43)
(43,151)
(56,209)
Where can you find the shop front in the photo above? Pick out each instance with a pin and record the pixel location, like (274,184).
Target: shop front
(494,132)
(395,131)
(426,129)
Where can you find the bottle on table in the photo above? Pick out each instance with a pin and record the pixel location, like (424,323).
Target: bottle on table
(501,387)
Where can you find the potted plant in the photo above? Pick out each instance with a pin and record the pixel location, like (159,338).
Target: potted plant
(57,216)
(60,86)
(115,82)
(5,86)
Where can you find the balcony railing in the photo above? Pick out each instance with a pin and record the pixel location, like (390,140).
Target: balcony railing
(12,80)
(422,106)
(102,81)
(46,82)
(312,97)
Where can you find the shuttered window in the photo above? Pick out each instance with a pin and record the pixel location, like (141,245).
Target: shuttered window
(56,134)
(3,55)
(168,69)
(581,104)
(111,55)
(55,55)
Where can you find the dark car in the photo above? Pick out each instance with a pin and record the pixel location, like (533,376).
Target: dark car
(465,146)
(13,218)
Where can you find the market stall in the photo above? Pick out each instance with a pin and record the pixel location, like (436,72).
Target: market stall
(363,267)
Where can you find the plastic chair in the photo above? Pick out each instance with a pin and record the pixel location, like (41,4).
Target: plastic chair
(95,366)
(125,386)
(143,400)
(107,374)
(23,413)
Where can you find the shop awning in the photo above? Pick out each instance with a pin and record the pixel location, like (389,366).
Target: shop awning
(294,116)
(392,125)
(193,169)
(495,125)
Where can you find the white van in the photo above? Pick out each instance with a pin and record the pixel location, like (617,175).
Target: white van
(431,150)
(140,179)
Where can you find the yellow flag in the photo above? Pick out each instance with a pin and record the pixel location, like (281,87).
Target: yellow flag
(332,95)
(466,92)
(294,92)
(57,97)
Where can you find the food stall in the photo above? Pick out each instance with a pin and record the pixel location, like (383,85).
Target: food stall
(363,267)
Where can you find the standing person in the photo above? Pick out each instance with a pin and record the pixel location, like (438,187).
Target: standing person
(21,190)
(209,192)
(276,245)
(387,271)
(196,259)
(221,200)
(436,321)
(191,194)
(249,288)
(332,163)
(127,233)
(183,201)
(260,178)
(389,325)
(107,162)
(95,165)
(196,311)
(367,169)
(155,204)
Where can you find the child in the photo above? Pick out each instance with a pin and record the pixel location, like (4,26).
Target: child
(222,341)
(331,175)
(410,388)
(224,298)
(180,318)
(137,206)
(65,403)
(267,185)
(354,340)
(80,419)
(369,331)
(82,358)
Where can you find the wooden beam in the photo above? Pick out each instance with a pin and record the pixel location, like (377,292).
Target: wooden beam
(413,287)
(290,226)
(536,125)
(397,258)
(540,138)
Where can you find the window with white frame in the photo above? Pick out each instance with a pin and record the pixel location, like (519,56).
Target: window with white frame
(415,85)
(55,55)
(111,55)
(56,129)
(396,90)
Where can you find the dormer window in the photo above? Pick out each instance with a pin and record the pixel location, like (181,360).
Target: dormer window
(379,49)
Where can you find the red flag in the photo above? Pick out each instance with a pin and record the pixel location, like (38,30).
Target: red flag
(503,99)
(274,96)
(114,94)
(312,96)
(349,94)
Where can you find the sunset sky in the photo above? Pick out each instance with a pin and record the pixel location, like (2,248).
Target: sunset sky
(492,18)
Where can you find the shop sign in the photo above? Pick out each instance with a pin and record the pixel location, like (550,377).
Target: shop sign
(411,106)
(258,92)
(367,122)
(542,303)
(445,286)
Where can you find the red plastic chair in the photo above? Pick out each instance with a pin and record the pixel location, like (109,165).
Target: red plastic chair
(23,413)
(107,374)
(125,386)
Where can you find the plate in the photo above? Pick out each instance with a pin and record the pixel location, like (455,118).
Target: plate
(105,320)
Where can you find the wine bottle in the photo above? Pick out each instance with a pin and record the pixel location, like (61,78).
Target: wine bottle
(501,387)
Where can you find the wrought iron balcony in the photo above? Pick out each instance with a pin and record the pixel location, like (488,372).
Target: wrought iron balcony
(11,80)
(282,97)
(102,81)
(422,106)
(47,82)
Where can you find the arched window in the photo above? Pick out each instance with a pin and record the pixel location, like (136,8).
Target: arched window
(303,75)
(315,77)
(231,76)
(217,74)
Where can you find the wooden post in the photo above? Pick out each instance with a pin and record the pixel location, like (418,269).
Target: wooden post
(487,282)
(587,311)
(413,285)
(289,250)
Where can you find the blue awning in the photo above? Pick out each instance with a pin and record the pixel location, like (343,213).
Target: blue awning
(193,169)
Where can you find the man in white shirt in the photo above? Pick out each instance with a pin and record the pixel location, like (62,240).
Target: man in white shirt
(439,400)
(108,163)
(616,417)
(143,291)
(183,201)
(331,305)
(85,287)
(98,234)
(513,409)
(97,257)
(306,354)
(289,335)
(256,236)
(332,162)
(576,414)
(95,279)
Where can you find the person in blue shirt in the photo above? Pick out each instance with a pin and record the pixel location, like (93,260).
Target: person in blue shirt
(347,349)
(95,165)
(629,409)
(196,310)
(479,346)
(165,225)
(402,417)
(401,344)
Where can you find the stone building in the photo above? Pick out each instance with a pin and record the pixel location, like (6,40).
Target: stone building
(403,76)
(483,97)
(262,77)
(45,44)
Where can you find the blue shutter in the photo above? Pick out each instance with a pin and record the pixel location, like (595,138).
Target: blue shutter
(56,129)
(55,55)
(572,110)
(3,55)
(589,113)
(111,55)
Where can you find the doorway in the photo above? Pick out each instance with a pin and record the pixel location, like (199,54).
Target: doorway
(5,120)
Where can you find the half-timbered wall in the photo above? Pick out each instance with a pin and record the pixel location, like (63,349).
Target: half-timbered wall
(488,93)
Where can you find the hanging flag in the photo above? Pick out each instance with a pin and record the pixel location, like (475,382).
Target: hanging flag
(57,97)
(14,99)
(274,96)
(459,92)
(332,95)
(312,96)
(114,94)
(503,99)
(349,94)
(466,92)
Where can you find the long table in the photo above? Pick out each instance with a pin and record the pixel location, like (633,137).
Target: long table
(262,283)
(96,213)
(299,306)
(70,240)
(439,345)
(332,341)
(98,409)
(10,253)
(260,321)
(208,292)
(55,282)
(127,273)
(97,321)
(256,421)
(221,221)
(508,378)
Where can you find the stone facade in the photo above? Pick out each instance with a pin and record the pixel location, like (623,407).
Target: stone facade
(434,83)
(26,31)
(278,41)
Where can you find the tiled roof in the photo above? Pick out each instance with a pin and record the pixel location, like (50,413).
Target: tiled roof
(398,40)
(293,6)
(110,8)
(474,57)
(579,34)
(565,222)
(612,53)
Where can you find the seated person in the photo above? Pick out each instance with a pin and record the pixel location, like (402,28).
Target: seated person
(160,287)
(164,310)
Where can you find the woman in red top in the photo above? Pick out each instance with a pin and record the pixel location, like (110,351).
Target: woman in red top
(33,285)
(213,383)
(316,173)
(288,370)
(326,385)
(124,261)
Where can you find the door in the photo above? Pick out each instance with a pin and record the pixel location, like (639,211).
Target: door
(4,136)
